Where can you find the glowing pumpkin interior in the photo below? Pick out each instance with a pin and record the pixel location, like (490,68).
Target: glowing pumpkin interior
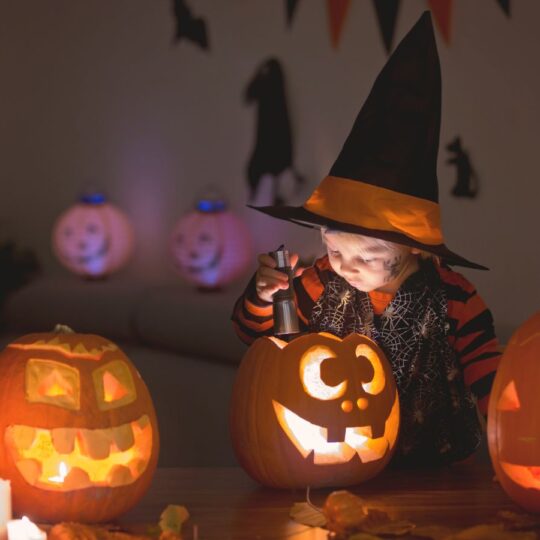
(316,372)
(67,458)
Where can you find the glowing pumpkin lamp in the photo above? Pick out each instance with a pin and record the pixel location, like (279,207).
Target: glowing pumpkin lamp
(93,238)
(514,417)
(210,245)
(78,432)
(318,411)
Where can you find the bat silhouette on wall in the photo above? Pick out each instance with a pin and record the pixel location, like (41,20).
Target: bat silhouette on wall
(467,179)
(273,152)
(188,26)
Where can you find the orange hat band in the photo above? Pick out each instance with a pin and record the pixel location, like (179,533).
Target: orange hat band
(373,207)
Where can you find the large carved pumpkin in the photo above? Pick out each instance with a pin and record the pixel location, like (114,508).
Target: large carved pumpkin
(514,417)
(78,432)
(210,245)
(318,411)
(93,238)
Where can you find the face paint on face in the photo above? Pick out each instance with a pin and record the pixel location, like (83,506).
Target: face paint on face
(368,265)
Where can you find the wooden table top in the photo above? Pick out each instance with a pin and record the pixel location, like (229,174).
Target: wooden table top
(224,503)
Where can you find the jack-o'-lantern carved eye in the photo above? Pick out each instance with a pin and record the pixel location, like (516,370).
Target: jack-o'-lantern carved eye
(114,385)
(376,384)
(509,400)
(310,374)
(52,382)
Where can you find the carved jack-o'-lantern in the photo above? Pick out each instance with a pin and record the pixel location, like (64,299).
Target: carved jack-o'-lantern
(78,432)
(317,411)
(514,417)
(210,245)
(93,238)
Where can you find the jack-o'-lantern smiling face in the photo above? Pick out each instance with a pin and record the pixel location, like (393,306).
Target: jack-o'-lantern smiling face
(514,417)
(75,414)
(346,403)
(318,411)
(83,239)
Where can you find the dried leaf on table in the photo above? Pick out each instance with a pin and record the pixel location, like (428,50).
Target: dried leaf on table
(379,522)
(519,522)
(344,511)
(492,532)
(307,514)
(173,517)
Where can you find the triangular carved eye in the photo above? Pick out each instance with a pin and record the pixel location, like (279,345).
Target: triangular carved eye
(54,385)
(509,400)
(113,389)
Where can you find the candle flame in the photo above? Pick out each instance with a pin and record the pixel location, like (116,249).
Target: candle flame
(62,473)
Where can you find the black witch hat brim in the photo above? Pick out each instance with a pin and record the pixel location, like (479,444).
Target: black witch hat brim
(360,208)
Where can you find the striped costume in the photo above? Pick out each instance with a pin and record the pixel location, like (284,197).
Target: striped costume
(437,333)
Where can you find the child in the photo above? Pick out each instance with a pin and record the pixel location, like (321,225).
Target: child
(386,272)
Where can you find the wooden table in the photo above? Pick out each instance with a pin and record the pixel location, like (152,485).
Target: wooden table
(225,503)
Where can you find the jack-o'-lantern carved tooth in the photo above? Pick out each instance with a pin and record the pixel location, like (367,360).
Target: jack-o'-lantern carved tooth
(142,423)
(335,434)
(30,470)
(77,478)
(95,443)
(80,349)
(122,436)
(63,439)
(119,475)
(378,428)
(23,436)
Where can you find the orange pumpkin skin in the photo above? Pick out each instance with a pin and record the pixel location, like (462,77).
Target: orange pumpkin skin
(514,417)
(61,401)
(300,411)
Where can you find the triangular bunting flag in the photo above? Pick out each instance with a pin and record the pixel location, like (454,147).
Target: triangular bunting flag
(442,13)
(337,11)
(291,6)
(505,5)
(387,14)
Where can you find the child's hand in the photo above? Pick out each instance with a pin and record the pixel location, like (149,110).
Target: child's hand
(268,280)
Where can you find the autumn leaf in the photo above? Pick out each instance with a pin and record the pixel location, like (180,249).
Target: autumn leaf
(172,518)
(307,514)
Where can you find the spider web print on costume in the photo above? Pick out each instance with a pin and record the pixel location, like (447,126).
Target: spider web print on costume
(439,422)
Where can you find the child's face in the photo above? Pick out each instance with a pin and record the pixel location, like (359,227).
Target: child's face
(367,265)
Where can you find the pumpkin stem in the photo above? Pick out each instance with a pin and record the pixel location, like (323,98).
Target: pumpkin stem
(63,329)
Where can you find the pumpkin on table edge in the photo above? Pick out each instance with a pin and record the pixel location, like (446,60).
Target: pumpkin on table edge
(79,438)
(514,417)
(318,411)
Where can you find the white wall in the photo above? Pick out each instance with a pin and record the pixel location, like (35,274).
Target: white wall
(94,93)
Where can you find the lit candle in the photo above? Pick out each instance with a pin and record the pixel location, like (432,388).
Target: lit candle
(5,506)
(24,529)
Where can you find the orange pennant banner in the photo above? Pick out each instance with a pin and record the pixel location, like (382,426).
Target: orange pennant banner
(337,11)
(442,13)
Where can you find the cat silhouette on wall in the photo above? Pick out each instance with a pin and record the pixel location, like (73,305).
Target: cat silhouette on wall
(273,152)
(188,26)
(467,179)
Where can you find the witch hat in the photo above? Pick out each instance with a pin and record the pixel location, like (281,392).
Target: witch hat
(384,181)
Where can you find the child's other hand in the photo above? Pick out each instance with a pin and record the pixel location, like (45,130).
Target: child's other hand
(268,280)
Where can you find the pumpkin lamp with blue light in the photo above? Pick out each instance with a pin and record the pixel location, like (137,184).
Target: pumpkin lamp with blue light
(93,238)
(210,245)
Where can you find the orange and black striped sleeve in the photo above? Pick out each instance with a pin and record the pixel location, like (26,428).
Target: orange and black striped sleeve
(253,317)
(472,335)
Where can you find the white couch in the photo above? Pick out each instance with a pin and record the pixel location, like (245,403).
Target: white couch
(181,340)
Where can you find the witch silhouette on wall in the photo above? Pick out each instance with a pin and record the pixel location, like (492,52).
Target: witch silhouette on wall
(467,179)
(188,26)
(272,156)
